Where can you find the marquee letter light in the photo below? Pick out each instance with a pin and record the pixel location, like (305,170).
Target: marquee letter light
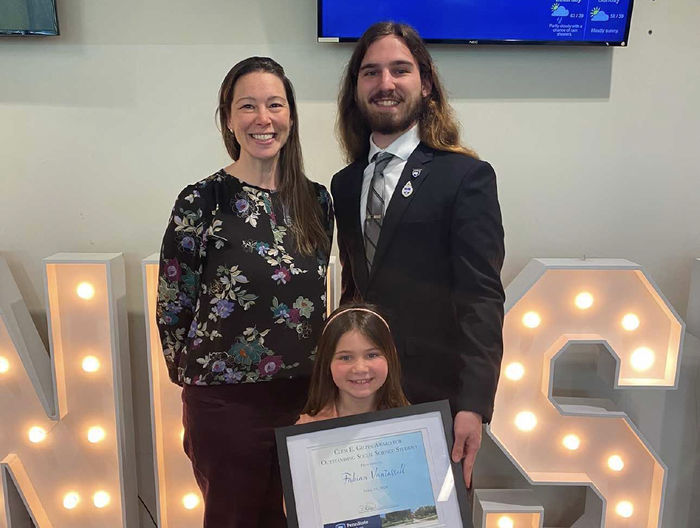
(178,497)
(66,434)
(179,502)
(552,304)
(499,508)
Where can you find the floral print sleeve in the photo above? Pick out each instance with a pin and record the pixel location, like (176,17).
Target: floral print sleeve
(184,247)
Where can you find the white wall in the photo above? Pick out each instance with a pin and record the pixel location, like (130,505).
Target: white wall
(101,127)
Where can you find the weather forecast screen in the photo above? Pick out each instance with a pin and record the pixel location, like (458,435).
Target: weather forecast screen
(583,21)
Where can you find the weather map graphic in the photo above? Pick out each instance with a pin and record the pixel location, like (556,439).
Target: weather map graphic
(599,16)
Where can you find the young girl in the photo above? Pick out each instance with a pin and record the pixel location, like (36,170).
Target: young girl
(356,369)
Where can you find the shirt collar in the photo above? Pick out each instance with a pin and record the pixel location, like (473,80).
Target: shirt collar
(402,147)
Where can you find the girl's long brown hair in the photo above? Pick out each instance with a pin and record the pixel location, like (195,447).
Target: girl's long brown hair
(437,126)
(295,190)
(323,391)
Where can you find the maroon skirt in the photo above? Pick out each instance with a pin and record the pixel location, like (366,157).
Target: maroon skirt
(229,438)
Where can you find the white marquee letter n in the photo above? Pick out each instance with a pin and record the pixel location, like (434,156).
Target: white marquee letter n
(66,434)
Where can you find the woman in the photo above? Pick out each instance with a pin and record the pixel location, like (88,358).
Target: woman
(241,297)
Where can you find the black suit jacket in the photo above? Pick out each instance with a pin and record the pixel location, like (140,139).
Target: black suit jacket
(436,274)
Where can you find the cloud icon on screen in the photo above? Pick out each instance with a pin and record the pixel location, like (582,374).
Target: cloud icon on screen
(599,16)
(560,11)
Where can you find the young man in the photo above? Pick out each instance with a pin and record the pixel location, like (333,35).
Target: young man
(419,228)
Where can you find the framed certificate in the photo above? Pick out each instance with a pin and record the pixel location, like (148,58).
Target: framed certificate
(389,468)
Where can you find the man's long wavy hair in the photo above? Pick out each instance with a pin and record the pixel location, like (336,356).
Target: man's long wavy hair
(437,126)
(295,190)
(365,319)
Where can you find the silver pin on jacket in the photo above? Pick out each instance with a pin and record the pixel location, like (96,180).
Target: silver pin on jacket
(407,190)
(416,173)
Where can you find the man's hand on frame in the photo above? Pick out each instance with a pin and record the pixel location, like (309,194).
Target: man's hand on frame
(467,428)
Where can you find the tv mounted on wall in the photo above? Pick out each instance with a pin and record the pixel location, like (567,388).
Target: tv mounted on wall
(28,17)
(554,22)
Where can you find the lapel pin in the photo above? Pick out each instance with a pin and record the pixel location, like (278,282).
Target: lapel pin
(407,190)
(416,173)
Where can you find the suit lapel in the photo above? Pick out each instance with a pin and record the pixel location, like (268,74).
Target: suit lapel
(414,173)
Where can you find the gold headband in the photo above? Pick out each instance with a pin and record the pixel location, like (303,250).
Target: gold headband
(356,310)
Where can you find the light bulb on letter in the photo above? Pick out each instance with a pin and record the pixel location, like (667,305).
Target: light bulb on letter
(515,371)
(85,290)
(96,434)
(505,522)
(100,499)
(616,463)
(71,500)
(532,319)
(624,509)
(90,364)
(571,442)
(190,501)
(525,421)
(630,322)
(642,359)
(584,300)
(37,434)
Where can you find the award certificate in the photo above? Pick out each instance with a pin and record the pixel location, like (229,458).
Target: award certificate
(385,469)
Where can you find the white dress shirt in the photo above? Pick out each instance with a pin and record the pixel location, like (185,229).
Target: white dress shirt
(402,147)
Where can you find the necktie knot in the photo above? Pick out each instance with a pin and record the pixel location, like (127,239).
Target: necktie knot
(381,159)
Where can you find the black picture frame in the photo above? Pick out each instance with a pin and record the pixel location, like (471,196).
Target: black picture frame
(442,407)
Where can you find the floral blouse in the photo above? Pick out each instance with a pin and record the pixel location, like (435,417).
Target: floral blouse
(236,302)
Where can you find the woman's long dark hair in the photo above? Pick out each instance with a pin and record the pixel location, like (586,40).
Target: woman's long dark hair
(365,319)
(295,190)
(437,126)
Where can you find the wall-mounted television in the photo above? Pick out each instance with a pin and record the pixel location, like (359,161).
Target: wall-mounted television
(555,22)
(28,17)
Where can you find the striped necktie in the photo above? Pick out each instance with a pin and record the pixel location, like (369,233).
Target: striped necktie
(375,206)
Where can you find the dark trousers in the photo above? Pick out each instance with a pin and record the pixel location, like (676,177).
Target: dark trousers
(229,439)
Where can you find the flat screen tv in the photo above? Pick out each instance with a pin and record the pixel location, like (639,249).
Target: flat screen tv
(557,22)
(28,17)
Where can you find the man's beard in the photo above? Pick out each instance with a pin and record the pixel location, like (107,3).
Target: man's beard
(388,123)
